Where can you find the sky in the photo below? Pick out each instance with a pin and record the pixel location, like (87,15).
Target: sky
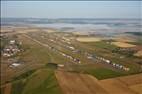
(71,9)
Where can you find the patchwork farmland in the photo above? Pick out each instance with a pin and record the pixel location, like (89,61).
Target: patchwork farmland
(43,60)
(73,83)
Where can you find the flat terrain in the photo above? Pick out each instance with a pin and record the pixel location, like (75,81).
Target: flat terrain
(137,88)
(123,85)
(139,53)
(64,63)
(88,39)
(72,83)
(80,33)
(123,44)
(124,39)
(7,89)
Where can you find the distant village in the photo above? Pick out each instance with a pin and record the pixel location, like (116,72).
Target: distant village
(11,49)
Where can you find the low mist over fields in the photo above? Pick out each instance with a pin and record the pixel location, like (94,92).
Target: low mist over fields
(98,26)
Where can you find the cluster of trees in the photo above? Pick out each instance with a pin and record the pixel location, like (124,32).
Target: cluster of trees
(125,51)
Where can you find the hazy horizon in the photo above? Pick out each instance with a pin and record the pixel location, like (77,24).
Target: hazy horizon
(71,9)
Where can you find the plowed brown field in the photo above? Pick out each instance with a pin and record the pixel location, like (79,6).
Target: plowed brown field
(7,89)
(73,83)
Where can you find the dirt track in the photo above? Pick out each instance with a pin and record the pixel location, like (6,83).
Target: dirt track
(73,83)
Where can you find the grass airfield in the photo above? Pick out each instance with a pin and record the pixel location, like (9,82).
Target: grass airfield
(67,49)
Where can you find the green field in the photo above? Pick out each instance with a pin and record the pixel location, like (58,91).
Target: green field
(99,73)
(43,81)
(18,86)
(102,44)
(103,73)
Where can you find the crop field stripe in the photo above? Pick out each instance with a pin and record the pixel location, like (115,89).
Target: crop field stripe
(131,79)
(71,88)
(46,83)
(7,89)
(74,83)
(92,84)
(123,84)
(114,86)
